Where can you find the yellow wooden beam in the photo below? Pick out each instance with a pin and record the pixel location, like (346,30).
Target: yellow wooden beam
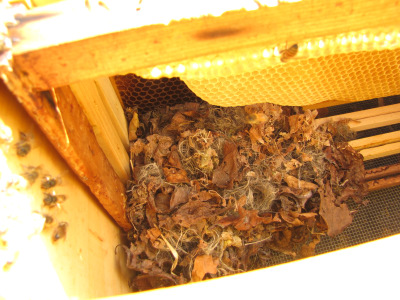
(61,44)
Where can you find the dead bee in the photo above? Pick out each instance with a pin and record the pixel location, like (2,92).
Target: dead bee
(289,53)
(30,173)
(49,182)
(60,231)
(256,118)
(23,146)
(52,199)
(48,220)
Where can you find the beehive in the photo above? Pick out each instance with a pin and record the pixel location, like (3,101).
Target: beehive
(229,60)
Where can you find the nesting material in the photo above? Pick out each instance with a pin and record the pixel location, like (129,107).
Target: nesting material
(216,190)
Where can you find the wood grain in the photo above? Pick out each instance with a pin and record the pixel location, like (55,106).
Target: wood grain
(104,121)
(383,183)
(55,51)
(368,118)
(380,172)
(381,151)
(376,140)
(68,129)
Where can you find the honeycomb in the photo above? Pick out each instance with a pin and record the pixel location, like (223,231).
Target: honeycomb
(347,68)
(147,93)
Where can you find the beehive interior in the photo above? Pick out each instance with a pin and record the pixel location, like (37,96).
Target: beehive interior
(377,219)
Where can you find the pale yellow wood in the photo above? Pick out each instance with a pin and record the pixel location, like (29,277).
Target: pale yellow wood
(114,108)
(84,264)
(376,140)
(381,151)
(375,122)
(91,101)
(68,43)
(369,118)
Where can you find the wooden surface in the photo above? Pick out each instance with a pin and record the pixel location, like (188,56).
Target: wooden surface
(110,134)
(381,151)
(368,118)
(67,127)
(381,172)
(383,183)
(64,43)
(84,264)
(376,140)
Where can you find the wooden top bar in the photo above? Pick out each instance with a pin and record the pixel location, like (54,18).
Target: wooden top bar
(66,43)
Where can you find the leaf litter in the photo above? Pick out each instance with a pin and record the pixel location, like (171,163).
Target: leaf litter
(216,190)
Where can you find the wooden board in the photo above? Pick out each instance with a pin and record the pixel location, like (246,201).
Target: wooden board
(53,50)
(67,127)
(381,151)
(368,118)
(110,134)
(84,264)
(376,140)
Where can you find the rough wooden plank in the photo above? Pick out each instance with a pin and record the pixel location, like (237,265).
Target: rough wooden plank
(84,264)
(67,127)
(98,111)
(380,172)
(383,183)
(55,51)
(381,151)
(376,140)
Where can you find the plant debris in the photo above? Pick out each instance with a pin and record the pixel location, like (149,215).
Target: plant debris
(216,190)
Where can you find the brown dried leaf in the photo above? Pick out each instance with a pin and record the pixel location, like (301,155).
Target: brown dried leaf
(204,264)
(227,172)
(293,182)
(173,175)
(179,196)
(153,234)
(337,218)
(193,212)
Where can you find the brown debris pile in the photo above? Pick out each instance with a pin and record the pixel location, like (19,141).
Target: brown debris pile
(215,190)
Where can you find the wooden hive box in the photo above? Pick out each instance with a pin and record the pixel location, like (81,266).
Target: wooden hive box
(64,68)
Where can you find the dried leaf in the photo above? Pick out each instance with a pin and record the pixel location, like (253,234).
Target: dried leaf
(336,217)
(293,182)
(227,171)
(179,196)
(204,264)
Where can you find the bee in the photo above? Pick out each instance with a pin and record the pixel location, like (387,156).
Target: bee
(60,232)
(49,182)
(289,53)
(23,146)
(52,199)
(48,220)
(256,118)
(31,173)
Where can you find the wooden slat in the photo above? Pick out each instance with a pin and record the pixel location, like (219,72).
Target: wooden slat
(369,118)
(383,183)
(380,172)
(375,122)
(92,101)
(113,106)
(381,151)
(61,44)
(67,127)
(376,140)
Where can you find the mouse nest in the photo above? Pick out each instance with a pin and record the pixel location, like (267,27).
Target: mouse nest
(216,190)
